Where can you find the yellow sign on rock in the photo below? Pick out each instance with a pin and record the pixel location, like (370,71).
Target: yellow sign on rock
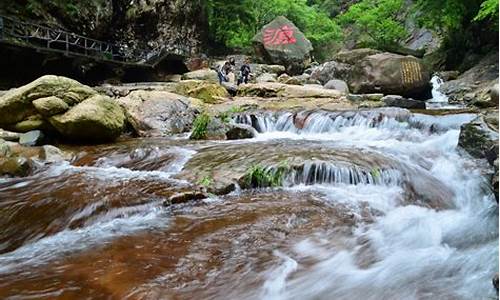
(411,71)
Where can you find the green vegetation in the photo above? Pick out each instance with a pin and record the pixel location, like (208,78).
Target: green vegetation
(226,116)
(465,25)
(379,21)
(200,125)
(375,173)
(206,181)
(234,23)
(260,176)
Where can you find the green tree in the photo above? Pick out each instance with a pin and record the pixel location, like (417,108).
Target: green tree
(378,20)
(234,24)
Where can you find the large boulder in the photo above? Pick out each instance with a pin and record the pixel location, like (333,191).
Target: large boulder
(339,85)
(50,106)
(390,73)
(203,74)
(274,89)
(98,118)
(258,69)
(17,104)
(351,57)
(474,86)
(266,77)
(331,70)
(400,101)
(208,92)
(479,139)
(54,103)
(157,113)
(281,42)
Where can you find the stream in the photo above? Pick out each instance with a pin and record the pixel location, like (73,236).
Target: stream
(380,204)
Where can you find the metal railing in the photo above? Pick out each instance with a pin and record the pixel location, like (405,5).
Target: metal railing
(42,37)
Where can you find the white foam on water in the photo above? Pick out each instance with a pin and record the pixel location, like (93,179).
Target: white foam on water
(276,279)
(418,252)
(67,242)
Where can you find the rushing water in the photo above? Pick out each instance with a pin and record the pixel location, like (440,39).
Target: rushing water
(377,204)
(439,99)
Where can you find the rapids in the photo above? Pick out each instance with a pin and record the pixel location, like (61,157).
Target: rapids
(375,204)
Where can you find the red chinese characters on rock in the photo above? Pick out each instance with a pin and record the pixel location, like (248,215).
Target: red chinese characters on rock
(279,36)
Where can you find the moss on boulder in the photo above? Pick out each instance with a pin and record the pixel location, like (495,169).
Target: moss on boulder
(98,118)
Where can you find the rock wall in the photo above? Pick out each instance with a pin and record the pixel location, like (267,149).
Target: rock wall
(172,24)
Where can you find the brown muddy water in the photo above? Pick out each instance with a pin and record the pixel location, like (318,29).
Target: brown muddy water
(377,204)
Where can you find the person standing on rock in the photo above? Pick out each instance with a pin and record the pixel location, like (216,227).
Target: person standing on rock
(244,72)
(225,69)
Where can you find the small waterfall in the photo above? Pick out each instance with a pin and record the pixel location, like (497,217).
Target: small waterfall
(439,100)
(437,95)
(315,172)
(318,172)
(325,122)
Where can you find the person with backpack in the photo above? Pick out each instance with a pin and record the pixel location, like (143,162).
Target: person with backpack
(245,72)
(225,69)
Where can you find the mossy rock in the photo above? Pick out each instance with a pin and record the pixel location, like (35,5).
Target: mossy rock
(50,106)
(34,122)
(96,119)
(16,105)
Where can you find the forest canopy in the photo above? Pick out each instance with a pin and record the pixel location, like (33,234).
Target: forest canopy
(381,23)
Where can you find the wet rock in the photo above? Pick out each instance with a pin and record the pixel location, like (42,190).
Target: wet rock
(240,131)
(495,282)
(157,113)
(266,77)
(336,84)
(400,101)
(32,138)
(15,166)
(332,70)
(390,73)
(203,74)
(96,119)
(479,140)
(50,106)
(52,154)
(281,42)
(351,57)
(184,197)
(9,136)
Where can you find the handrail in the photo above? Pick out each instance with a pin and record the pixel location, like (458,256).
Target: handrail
(68,43)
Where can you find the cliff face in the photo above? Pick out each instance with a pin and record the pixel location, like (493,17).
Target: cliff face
(178,25)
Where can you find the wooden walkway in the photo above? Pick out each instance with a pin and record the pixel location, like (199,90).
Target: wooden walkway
(42,38)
